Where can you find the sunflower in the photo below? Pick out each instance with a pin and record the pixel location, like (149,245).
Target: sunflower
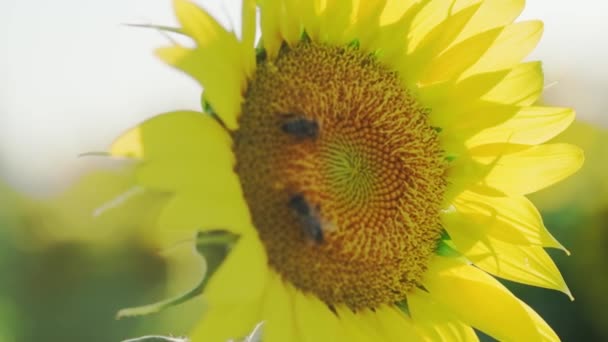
(372,160)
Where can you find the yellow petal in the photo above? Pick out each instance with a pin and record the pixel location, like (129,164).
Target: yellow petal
(470,117)
(513,44)
(515,86)
(479,300)
(531,125)
(512,219)
(290,22)
(435,321)
(454,61)
(243,275)
(476,95)
(395,10)
(334,21)
(210,180)
(524,264)
(425,20)
(519,169)
(387,323)
(221,323)
(173,135)
(208,211)
(278,312)
(391,45)
(183,150)
(281,22)
(522,86)
(459,5)
(442,36)
(309,11)
(365,20)
(218,44)
(491,14)
(437,40)
(248,33)
(218,72)
(270,20)
(396,325)
(356,328)
(199,25)
(368,11)
(463,121)
(316,321)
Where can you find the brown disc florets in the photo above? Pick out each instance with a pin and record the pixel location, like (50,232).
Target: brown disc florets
(342,173)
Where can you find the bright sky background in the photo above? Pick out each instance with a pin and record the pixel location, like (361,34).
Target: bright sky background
(72,77)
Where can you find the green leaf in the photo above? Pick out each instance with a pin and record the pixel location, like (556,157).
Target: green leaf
(213,246)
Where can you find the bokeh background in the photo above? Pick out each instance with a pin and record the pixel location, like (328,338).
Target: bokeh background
(72,77)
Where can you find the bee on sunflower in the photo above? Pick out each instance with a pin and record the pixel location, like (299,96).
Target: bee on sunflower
(371,159)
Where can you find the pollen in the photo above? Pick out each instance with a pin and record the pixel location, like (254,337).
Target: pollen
(342,172)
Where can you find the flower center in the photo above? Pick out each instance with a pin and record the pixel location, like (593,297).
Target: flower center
(342,173)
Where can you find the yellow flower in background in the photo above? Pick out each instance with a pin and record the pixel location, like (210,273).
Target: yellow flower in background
(373,159)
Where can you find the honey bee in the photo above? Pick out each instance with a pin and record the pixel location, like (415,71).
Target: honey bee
(300,127)
(309,218)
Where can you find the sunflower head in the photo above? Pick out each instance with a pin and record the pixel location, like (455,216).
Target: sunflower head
(342,172)
(373,158)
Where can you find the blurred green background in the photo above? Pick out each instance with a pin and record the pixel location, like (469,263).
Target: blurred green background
(66,272)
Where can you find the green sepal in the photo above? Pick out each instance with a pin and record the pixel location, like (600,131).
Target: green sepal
(304,37)
(208,109)
(260,54)
(450,157)
(354,44)
(378,53)
(403,306)
(446,248)
(213,246)
(160,28)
